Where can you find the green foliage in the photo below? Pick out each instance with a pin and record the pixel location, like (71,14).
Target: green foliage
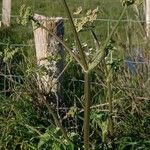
(72,111)
(25,15)
(52,139)
(126,143)
(14,115)
(9,54)
(86,21)
(99,120)
(24,125)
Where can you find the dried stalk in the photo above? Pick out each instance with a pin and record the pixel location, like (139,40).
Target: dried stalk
(81,59)
(87,95)
(87,90)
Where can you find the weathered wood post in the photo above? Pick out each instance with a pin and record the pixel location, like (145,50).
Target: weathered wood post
(6,12)
(147,13)
(49,55)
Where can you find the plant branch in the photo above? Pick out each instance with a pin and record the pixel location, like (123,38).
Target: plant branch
(57,122)
(50,110)
(83,57)
(75,56)
(102,54)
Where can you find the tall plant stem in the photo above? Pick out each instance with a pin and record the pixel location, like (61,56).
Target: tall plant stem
(82,55)
(86,110)
(110,125)
(110,101)
(86,125)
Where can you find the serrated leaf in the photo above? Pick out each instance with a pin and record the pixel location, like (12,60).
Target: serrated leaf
(78,11)
(89,12)
(95,10)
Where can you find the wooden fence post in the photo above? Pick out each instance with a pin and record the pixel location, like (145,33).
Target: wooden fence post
(49,54)
(147,13)
(6,12)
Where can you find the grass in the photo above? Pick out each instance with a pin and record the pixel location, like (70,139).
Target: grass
(49,8)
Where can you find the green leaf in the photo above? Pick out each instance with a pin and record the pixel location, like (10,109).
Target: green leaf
(43,139)
(9,54)
(78,11)
(24,15)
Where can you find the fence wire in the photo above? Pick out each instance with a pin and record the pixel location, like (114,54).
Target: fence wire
(98,19)
(39,7)
(128,27)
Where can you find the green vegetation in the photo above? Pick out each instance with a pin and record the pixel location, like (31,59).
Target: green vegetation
(106,101)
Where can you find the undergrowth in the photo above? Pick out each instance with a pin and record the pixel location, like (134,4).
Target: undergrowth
(27,124)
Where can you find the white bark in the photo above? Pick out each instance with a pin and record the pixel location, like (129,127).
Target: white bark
(147,13)
(6,12)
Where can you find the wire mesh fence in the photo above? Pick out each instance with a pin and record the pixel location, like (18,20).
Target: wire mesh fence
(131,58)
(129,37)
